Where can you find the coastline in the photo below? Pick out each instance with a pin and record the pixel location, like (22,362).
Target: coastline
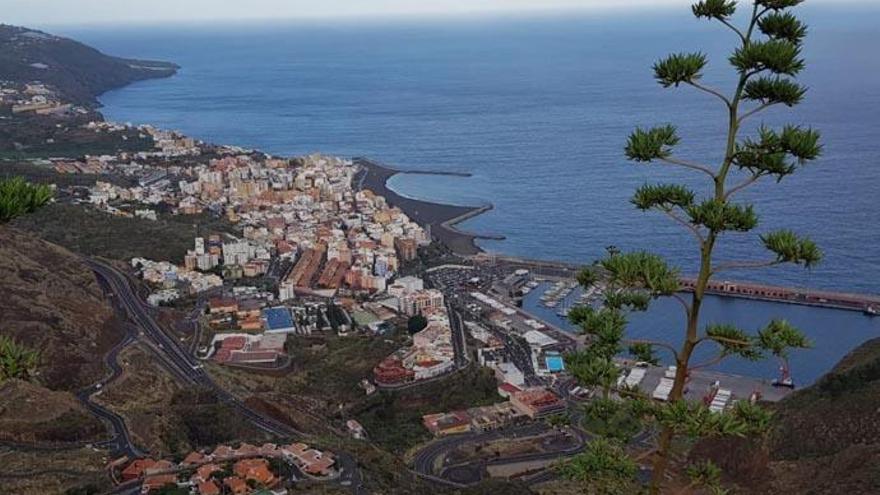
(442,219)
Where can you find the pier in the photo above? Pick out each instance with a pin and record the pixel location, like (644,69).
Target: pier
(866,303)
(441,219)
(809,297)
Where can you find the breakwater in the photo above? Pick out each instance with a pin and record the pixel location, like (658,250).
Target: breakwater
(867,303)
(441,219)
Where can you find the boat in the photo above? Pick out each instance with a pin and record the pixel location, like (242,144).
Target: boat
(871,310)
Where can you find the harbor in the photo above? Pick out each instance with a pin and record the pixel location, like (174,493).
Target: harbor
(833,332)
(868,304)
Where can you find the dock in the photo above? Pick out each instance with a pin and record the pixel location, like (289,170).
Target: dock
(866,303)
(700,381)
(808,297)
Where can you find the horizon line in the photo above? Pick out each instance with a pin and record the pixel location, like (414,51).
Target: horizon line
(596,12)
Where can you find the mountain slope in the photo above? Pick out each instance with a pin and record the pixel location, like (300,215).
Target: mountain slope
(829,434)
(78,71)
(826,440)
(53,303)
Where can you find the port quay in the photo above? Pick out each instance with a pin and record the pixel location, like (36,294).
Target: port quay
(869,304)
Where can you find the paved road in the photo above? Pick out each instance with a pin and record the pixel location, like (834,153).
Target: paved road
(423,463)
(459,343)
(120,442)
(181,363)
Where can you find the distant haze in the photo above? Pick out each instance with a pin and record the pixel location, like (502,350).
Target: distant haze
(53,12)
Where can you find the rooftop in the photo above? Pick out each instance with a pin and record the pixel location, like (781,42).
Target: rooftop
(278,318)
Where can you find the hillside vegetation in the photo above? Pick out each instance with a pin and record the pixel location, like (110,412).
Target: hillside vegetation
(826,440)
(52,303)
(79,71)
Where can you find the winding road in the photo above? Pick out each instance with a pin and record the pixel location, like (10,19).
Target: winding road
(120,442)
(428,457)
(185,367)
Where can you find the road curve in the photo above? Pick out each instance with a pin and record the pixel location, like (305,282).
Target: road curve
(120,442)
(183,365)
(423,463)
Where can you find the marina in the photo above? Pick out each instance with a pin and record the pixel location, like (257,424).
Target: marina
(833,332)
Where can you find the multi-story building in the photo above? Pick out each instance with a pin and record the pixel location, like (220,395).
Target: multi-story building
(420,301)
(537,402)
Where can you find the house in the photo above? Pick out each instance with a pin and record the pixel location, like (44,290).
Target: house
(247,449)
(537,402)
(158,481)
(447,423)
(236,485)
(208,488)
(222,305)
(204,472)
(256,470)
(250,324)
(136,469)
(144,467)
(249,308)
(269,450)
(310,461)
(194,459)
(222,452)
(507,389)
(159,466)
(356,429)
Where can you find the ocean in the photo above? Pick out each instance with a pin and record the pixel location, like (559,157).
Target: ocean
(538,111)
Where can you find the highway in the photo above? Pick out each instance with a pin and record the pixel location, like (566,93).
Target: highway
(183,365)
(459,343)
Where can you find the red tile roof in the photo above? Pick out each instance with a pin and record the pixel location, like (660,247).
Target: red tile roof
(236,485)
(137,468)
(509,387)
(208,488)
(193,458)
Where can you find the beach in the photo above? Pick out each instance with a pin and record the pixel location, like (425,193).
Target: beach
(441,219)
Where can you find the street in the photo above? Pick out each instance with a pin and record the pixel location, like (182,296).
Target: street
(183,365)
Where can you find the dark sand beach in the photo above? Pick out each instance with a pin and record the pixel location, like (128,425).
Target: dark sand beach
(441,218)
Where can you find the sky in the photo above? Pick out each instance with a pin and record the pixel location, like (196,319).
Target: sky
(71,12)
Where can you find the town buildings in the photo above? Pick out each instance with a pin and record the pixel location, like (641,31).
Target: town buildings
(537,402)
(430,355)
(230,469)
(477,419)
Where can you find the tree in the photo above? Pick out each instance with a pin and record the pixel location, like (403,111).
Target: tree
(416,323)
(766,61)
(18,197)
(603,468)
(558,421)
